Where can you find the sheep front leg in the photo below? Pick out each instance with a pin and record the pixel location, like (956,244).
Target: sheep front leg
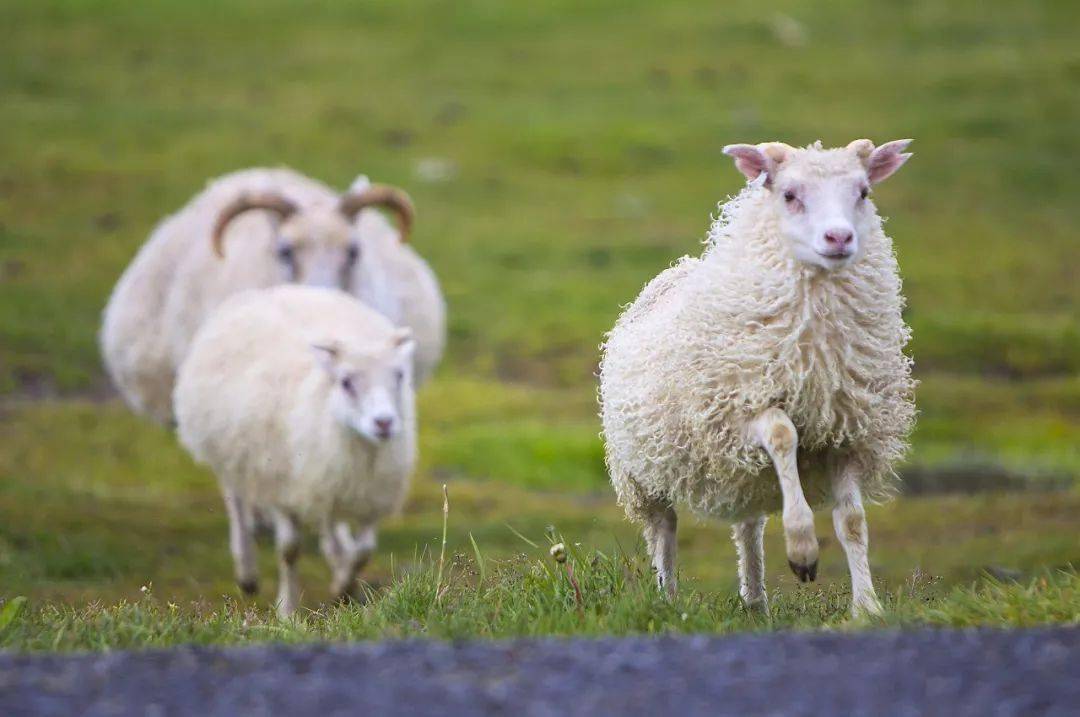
(750,545)
(849,520)
(331,548)
(775,432)
(660,525)
(241,542)
(287,542)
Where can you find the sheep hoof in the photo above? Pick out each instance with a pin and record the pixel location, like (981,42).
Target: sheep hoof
(865,608)
(758,606)
(249,587)
(667,587)
(351,595)
(805,573)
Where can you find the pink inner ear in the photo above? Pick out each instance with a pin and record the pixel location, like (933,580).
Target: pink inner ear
(886,159)
(749,160)
(326,355)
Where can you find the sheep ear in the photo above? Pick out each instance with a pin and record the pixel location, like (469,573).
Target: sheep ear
(883,162)
(749,160)
(403,342)
(327,355)
(753,160)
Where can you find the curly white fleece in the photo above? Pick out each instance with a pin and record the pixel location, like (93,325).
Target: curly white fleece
(713,341)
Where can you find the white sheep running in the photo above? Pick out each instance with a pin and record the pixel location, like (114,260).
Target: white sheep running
(300,399)
(271,226)
(769,373)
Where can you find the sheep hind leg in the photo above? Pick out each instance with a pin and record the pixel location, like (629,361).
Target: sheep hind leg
(350,554)
(660,526)
(241,542)
(749,544)
(849,520)
(775,432)
(287,543)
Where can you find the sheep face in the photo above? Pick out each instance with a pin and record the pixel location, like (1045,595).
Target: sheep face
(820,196)
(317,248)
(369,387)
(316,245)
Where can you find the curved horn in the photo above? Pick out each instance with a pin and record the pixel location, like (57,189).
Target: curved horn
(381,195)
(270,201)
(862,149)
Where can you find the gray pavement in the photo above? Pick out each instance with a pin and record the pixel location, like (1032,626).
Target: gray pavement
(986,672)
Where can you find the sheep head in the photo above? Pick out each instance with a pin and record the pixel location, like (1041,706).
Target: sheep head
(318,244)
(369,384)
(820,196)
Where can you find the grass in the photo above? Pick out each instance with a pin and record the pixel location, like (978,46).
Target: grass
(579,153)
(571,188)
(84,530)
(531,596)
(117,505)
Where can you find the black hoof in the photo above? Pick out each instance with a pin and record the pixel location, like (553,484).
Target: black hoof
(249,587)
(805,573)
(354,594)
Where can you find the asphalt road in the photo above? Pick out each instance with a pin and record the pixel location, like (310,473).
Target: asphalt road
(1035,672)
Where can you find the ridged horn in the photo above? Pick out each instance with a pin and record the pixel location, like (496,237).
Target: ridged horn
(270,201)
(381,195)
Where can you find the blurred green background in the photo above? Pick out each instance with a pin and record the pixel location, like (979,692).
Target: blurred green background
(560,155)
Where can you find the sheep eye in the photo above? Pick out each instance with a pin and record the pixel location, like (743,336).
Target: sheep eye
(352,254)
(285,253)
(864,193)
(789,197)
(348,386)
(399,375)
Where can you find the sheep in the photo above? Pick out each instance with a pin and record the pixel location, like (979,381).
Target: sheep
(300,399)
(769,372)
(278,226)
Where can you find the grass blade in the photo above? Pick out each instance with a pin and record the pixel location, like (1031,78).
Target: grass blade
(520,535)
(479,559)
(11,612)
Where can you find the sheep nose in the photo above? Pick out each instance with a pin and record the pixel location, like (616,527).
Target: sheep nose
(839,238)
(383,426)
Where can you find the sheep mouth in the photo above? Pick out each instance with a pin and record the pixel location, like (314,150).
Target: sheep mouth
(836,255)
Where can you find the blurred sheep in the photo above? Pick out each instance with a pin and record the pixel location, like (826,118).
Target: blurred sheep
(300,399)
(253,229)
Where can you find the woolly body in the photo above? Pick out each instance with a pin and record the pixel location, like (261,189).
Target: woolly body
(713,341)
(252,404)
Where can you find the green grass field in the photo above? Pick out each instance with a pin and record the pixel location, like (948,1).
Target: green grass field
(560,155)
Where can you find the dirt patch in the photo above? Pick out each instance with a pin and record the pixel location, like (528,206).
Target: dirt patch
(31,386)
(978,477)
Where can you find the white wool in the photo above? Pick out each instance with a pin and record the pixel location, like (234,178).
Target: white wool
(176,281)
(407,290)
(252,404)
(713,341)
(362,181)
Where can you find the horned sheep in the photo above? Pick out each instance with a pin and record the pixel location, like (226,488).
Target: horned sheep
(256,228)
(300,399)
(769,372)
